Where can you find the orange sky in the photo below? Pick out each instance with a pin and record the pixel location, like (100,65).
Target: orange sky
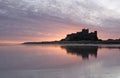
(57,35)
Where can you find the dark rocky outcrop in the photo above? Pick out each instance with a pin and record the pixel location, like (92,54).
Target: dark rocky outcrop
(83,35)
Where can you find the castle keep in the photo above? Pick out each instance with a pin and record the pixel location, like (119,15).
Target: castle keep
(83,35)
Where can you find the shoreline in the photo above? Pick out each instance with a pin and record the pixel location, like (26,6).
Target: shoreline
(75,42)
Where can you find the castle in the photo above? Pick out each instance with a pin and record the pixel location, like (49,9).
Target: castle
(83,35)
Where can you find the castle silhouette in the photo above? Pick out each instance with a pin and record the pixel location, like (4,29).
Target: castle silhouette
(83,35)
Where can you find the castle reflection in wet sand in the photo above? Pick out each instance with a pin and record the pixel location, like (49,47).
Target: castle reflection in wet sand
(59,61)
(83,51)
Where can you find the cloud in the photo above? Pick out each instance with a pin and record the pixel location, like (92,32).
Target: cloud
(28,18)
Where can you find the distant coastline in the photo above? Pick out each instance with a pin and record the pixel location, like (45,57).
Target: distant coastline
(75,42)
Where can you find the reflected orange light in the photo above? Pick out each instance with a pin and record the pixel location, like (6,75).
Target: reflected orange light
(53,50)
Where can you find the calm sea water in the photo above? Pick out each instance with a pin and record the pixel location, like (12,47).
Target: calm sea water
(59,61)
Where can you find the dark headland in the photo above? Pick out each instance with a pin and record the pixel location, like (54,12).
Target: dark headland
(83,37)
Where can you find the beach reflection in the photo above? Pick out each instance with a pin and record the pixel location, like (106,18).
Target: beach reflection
(59,61)
(83,51)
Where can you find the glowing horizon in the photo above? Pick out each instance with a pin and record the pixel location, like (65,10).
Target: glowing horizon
(54,37)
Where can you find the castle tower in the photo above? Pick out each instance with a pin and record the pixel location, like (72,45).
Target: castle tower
(96,37)
(95,32)
(85,30)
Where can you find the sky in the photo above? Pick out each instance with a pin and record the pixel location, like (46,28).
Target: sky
(49,20)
